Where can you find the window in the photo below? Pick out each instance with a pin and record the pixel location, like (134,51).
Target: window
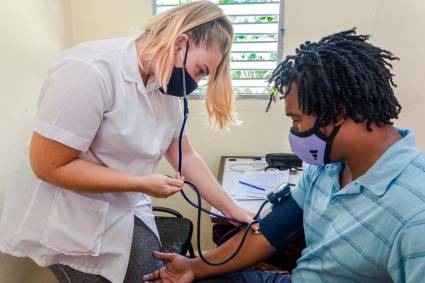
(257,44)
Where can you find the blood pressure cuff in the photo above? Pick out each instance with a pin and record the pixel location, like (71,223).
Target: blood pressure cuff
(283,224)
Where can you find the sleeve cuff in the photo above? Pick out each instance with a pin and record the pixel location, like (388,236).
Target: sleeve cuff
(60,135)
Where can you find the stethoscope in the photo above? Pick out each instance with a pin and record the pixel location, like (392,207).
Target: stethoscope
(280,193)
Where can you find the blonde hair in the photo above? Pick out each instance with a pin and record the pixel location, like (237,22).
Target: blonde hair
(205,23)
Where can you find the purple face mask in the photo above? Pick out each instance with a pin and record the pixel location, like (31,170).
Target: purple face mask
(312,146)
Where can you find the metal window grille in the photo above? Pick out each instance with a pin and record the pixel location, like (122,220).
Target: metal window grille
(257,44)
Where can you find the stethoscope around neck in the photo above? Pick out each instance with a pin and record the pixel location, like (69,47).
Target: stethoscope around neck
(281,192)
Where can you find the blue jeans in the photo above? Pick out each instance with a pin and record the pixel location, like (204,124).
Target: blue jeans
(250,276)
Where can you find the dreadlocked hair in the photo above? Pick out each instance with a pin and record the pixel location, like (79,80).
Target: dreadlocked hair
(342,74)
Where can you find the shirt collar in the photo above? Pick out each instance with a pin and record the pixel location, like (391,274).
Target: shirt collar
(129,64)
(391,163)
(333,171)
(128,60)
(394,160)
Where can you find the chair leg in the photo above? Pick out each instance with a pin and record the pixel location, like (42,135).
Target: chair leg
(191,251)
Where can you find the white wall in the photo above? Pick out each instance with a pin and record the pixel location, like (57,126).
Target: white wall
(99,19)
(31,34)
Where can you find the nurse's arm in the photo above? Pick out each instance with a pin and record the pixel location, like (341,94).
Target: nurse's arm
(195,170)
(60,165)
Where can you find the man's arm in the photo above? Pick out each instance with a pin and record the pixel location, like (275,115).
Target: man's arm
(281,226)
(406,262)
(255,249)
(182,270)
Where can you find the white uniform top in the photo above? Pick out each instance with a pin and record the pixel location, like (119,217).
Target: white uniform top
(95,101)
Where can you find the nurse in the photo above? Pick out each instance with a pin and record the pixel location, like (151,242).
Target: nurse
(108,112)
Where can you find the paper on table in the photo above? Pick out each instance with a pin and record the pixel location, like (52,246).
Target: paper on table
(268,180)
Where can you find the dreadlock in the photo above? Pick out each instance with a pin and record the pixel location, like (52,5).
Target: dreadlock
(342,74)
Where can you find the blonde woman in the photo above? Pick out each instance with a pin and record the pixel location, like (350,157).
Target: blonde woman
(107,114)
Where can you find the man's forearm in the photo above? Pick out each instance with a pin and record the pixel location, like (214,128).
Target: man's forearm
(255,249)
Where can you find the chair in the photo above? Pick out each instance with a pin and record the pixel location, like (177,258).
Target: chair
(175,232)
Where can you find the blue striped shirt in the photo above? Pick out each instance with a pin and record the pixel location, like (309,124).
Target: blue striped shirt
(373,229)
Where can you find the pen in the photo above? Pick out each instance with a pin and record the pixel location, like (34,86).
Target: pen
(252,186)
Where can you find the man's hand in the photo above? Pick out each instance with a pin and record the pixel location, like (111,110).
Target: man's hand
(178,269)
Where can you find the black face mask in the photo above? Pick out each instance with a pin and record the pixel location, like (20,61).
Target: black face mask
(176,85)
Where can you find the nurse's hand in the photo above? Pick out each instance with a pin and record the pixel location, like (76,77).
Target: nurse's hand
(160,186)
(177,270)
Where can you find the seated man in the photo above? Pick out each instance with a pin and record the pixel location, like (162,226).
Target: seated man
(362,197)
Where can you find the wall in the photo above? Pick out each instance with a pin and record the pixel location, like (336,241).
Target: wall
(99,19)
(32,33)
